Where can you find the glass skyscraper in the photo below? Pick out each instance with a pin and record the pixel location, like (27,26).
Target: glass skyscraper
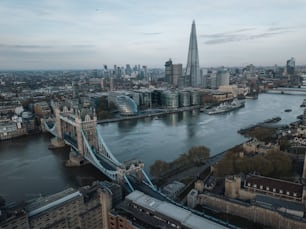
(192,75)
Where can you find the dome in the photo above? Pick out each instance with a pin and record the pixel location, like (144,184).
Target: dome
(126,105)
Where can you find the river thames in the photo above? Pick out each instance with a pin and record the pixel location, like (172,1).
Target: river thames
(29,169)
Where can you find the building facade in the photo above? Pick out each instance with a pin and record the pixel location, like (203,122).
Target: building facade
(85,208)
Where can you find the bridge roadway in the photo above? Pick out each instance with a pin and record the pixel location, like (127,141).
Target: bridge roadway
(103,160)
(287,91)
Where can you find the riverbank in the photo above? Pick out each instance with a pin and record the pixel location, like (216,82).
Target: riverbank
(149,139)
(150,114)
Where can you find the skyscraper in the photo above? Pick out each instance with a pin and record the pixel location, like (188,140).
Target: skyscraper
(168,71)
(290,68)
(192,75)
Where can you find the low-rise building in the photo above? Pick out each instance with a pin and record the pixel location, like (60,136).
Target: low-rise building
(10,129)
(42,109)
(274,187)
(255,146)
(173,189)
(117,221)
(260,199)
(14,218)
(147,212)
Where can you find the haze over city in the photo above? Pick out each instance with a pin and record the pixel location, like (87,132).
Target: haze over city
(77,34)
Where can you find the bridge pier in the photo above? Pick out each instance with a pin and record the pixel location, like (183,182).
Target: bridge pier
(75,159)
(56,143)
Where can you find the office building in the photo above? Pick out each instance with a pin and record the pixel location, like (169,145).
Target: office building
(222,78)
(173,73)
(177,73)
(293,78)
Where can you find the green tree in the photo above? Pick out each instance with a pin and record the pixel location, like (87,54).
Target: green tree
(284,144)
(159,168)
(198,154)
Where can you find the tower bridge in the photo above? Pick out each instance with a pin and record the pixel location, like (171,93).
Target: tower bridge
(77,127)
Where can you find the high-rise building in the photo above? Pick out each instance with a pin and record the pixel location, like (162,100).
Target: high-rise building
(75,90)
(168,71)
(177,71)
(222,78)
(290,66)
(192,75)
(173,73)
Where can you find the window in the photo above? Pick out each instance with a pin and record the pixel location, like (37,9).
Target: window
(288,193)
(274,190)
(261,187)
(281,191)
(267,188)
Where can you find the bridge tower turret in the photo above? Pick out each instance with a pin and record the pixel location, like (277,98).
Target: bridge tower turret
(86,120)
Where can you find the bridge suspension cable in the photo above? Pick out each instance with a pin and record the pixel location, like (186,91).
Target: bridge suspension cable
(112,174)
(106,149)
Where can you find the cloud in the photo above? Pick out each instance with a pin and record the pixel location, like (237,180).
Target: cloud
(244,34)
(17,46)
(152,33)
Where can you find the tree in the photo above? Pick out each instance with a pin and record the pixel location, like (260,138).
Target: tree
(104,109)
(158,168)
(261,133)
(273,164)
(284,144)
(198,154)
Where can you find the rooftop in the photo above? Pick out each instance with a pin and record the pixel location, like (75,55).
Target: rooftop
(45,203)
(286,186)
(181,215)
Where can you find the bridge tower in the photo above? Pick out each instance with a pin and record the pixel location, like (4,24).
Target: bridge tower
(61,127)
(86,120)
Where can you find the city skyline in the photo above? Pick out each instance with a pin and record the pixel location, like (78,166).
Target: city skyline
(74,34)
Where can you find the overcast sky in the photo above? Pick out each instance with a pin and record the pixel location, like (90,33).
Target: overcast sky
(67,34)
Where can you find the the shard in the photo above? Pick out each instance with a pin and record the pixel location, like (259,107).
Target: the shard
(192,75)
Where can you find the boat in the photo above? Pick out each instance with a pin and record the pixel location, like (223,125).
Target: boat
(303,104)
(288,110)
(223,108)
(273,120)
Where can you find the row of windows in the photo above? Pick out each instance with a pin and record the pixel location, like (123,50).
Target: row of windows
(274,189)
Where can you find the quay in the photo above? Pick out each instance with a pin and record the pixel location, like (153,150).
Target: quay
(157,112)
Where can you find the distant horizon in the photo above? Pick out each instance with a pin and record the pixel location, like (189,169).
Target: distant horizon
(69,34)
(132,65)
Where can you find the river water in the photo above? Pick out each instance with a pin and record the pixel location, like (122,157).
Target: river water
(29,169)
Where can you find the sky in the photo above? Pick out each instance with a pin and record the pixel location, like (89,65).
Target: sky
(78,34)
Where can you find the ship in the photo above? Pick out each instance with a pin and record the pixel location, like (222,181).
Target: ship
(303,104)
(225,107)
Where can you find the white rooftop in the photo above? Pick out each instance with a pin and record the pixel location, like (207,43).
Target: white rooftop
(184,216)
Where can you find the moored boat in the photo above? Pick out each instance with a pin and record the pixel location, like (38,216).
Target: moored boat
(223,108)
